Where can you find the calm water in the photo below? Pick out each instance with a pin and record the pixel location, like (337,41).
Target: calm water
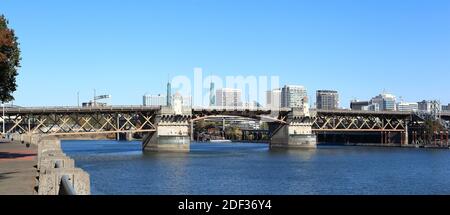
(122,168)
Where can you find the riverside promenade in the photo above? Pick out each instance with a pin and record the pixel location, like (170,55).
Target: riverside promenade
(17,168)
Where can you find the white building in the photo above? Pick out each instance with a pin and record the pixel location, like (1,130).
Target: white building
(228,97)
(407,106)
(154,100)
(293,96)
(160,100)
(385,101)
(273,99)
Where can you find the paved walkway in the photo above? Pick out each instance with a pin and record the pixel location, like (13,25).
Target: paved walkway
(17,168)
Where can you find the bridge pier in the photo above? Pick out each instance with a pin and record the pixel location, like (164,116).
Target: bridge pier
(296,133)
(172,132)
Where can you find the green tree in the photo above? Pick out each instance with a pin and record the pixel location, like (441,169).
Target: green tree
(9,60)
(432,126)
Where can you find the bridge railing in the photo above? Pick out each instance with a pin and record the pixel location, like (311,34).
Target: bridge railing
(71,108)
(237,108)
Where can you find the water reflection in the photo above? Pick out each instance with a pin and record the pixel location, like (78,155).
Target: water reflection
(304,154)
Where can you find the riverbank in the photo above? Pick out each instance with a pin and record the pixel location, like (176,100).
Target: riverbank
(17,168)
(432,146)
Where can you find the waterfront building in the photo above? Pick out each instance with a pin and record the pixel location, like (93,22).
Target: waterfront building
(293,96)
(385,101)
(154,100)
(161,100)
(372,107)
(252,105)
(359,105)
(327,100)
(446,108)
(430,106)
(407,106)
(228,97)
(273,99)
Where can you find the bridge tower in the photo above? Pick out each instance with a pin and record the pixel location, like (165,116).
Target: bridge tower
(173,128)
(296,133)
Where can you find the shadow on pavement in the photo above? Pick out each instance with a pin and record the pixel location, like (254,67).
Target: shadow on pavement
(8,155)
(5,175)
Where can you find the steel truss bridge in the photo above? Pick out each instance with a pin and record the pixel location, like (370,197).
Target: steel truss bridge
(80,120)
(141,119)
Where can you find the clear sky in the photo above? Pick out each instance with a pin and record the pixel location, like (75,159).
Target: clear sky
(128,48)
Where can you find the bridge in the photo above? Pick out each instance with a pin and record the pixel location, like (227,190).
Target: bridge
(167,129)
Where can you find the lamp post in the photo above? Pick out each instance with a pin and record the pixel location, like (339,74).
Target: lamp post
(3,119)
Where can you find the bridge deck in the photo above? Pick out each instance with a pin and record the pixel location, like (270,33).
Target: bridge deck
(30,110)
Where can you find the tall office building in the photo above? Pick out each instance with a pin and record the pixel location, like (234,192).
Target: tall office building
(273,99)
(212,97)
(169,94)
(386,102)
(293,96)
(327,100)
(228,97)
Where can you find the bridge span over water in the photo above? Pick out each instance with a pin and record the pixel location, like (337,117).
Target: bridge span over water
(161,125)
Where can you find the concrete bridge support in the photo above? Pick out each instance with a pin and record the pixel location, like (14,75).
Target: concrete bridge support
(172,133)
(296,133)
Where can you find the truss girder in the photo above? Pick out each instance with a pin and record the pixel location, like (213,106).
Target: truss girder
(78,123)
(359,123)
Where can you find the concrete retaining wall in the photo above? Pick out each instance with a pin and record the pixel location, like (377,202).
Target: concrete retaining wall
(53,164)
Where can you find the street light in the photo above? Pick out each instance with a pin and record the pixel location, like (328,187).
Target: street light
(3,119)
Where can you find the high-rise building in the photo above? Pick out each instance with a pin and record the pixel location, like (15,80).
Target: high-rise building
(154,100)
(430,106)
(228,97)
(212,97)
(385,101)
(293,96)
(407,106)
(273,99)
(169,94)
(327,100)
(359,105)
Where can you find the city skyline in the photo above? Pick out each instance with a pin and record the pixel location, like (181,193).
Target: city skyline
(343,46)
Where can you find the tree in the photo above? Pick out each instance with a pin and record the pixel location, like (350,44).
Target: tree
(9,61)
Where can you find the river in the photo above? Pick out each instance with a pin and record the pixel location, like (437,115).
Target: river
(120,167)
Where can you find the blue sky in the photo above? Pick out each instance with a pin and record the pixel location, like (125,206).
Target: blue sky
(128,48)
